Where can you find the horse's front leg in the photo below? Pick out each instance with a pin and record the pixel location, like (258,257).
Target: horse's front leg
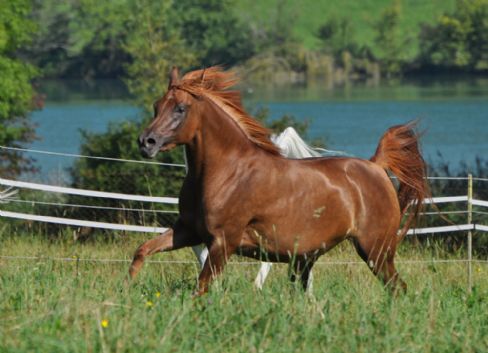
(172,239)
(218,254)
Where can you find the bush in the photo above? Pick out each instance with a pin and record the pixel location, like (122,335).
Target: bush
(120,141)
(458,40)
(457,187)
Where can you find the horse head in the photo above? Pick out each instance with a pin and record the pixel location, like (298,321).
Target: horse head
(174,121)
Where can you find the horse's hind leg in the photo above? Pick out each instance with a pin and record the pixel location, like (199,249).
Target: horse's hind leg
(378,253)
(303,269)
(201,252)
(262,274)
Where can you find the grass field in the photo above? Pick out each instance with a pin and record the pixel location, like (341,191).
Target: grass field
(306,16)
(55,306)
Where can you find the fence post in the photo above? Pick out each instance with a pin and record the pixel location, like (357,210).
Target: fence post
(470,234)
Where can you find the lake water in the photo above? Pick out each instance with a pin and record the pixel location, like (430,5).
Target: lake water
(453,113)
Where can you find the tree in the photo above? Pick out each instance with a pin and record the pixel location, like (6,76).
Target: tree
(214,32)
(79,38)
(17,96)
(389,41)
(154,44)
(475,14)
(337,36)
(458,40)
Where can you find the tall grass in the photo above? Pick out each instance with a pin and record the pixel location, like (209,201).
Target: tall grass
(55,306)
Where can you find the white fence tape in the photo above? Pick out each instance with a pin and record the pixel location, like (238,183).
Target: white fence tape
(124,209)
(81,223)
(430,230)
(446,199)
(479,203)
(83,192)
(172,200)
(481,227)
(91,157)
(77,259)
(145,229)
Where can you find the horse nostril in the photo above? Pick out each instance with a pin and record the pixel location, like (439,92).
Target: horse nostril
(150,142)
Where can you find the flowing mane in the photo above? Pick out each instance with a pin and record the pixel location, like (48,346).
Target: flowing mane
(213,83)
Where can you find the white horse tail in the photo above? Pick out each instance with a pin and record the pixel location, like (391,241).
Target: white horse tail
(292,146)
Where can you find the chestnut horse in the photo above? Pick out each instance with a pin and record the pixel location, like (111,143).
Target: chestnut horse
(241,196)
(291,146)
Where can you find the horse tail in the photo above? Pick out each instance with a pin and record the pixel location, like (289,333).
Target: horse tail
(398,151)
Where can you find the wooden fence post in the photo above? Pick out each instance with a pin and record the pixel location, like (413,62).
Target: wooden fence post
(470,234)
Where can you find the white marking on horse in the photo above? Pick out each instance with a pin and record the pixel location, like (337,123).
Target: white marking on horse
(317,213)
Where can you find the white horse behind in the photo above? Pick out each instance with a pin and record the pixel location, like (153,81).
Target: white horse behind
(292,146)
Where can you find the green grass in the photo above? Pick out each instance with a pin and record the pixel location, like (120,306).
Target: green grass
(306,16)
(53,306)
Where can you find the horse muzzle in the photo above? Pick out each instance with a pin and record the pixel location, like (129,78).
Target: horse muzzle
(150,144)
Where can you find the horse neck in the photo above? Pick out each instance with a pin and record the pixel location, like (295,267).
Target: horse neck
(218,141)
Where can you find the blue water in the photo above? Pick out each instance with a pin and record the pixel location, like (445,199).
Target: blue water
(456,130)
(59,127)
(454,116)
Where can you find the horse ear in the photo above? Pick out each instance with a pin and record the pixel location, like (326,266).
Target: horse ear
(174,76)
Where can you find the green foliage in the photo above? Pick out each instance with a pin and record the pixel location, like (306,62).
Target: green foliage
(120,141)
(154,45)
(309,15)
(337,35)
(80,38)
(389,40)
(213,31)
(88,38)
(459,39)
(16,92)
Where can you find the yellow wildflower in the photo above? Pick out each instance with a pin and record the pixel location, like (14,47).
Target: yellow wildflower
(158,294)
(149,304)
(104,323)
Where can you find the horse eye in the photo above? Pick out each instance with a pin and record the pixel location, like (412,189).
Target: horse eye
(180,108)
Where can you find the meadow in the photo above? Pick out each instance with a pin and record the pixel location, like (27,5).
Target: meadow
(306,16)
(84,306)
